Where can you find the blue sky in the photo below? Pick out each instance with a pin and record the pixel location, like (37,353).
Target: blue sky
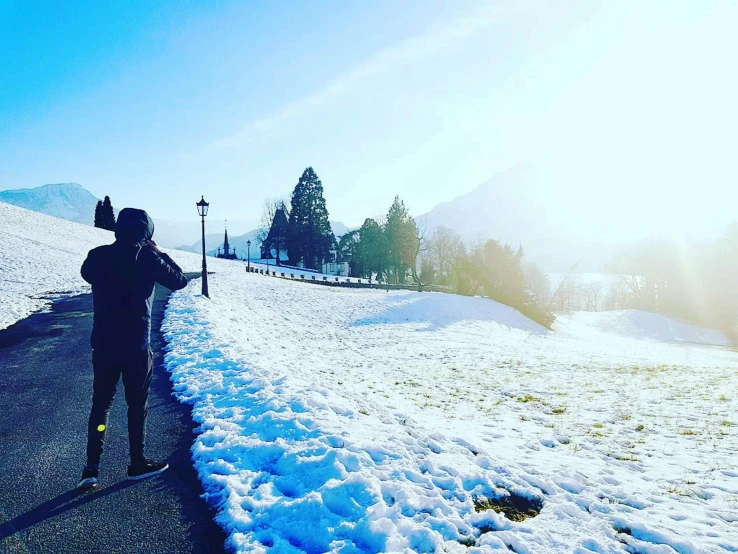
(156,103)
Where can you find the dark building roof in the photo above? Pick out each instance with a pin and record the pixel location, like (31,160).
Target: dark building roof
(278,230)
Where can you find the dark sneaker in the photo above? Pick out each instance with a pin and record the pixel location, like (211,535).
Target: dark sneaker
(146,469)
(89,479)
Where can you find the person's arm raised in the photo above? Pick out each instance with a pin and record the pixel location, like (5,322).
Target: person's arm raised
(166,272)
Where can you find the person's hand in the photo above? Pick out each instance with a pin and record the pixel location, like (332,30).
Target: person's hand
(154,247)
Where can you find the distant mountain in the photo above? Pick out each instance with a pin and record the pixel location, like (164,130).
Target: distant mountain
(73,202)
(516,206)
(215,241)
(339,229)
(172,234)
(508,207)
(69,201)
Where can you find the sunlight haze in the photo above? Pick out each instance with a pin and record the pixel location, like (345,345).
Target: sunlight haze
(628,107)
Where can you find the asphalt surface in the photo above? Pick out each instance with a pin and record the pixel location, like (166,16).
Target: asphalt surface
(45,398)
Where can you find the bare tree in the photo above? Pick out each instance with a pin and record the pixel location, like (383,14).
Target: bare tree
(419,246)
(268,209)
(442,246)
(593,293)
(568,295)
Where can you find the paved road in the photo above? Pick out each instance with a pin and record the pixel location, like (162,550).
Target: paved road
(45,397)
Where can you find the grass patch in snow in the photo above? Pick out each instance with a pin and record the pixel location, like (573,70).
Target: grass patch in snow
(528,398)
(627,458)
(514,507)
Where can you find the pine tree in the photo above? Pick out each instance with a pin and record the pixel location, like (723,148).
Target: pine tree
(108,215)
(372,250)
(99,223)
(401,237)
(309,235)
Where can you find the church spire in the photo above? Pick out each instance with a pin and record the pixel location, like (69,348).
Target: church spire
(228,252)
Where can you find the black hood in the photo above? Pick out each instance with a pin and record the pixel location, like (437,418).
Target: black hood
(133,226)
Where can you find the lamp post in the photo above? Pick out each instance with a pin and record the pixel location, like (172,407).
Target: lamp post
(202,209)
(248,256)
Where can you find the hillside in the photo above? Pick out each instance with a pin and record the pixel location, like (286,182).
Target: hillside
(41,258)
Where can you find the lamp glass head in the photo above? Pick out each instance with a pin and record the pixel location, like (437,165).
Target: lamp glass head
(202,207)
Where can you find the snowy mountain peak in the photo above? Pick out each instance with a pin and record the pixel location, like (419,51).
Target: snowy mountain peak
(69,201)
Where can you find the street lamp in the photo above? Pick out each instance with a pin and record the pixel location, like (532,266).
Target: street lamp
(248,256)
(202,210)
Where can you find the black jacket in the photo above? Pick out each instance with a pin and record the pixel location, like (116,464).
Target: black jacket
(122,276)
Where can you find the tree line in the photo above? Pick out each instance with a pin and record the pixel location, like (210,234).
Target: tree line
(393,249)
(693,283)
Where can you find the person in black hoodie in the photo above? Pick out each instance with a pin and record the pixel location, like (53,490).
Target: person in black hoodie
(123,275)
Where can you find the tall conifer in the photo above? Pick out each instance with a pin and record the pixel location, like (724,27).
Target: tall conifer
(309,236)
(99,221)
(108,215)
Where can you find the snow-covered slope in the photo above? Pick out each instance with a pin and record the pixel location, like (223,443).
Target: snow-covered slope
(69,201)
(637,324)
(40,258)
(361,420)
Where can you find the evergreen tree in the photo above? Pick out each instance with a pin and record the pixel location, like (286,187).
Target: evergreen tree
(108,215)
(401,235)
(371,250)
(309,235)
(99,223)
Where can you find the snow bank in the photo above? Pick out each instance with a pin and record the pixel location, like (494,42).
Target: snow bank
(361,420)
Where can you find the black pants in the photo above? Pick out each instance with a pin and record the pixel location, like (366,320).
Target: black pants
(137,369)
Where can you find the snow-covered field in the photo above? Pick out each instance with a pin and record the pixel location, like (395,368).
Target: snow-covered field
(360,420)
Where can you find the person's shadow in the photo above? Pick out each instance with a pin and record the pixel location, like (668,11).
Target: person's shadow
(58,505)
